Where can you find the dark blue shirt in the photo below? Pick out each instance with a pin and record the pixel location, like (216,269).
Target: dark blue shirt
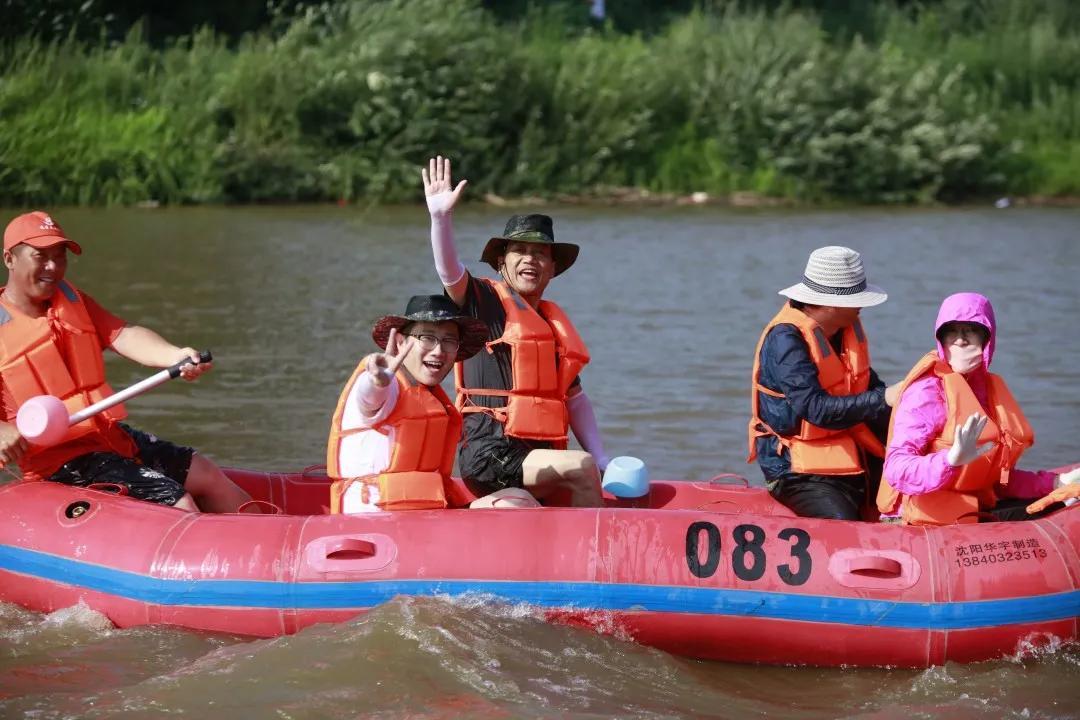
(786,367)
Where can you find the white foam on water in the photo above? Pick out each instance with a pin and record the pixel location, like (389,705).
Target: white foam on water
(600,621)
(78,616)
(1037,646)
(67,626)
(932,680)
(493,605)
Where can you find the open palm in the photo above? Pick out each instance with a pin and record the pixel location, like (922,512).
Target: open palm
(439,188)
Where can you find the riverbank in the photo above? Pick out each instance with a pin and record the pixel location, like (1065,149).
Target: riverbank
(942,103)
(642,197)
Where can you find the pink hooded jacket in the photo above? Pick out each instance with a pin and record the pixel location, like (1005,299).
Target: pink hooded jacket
(919,418)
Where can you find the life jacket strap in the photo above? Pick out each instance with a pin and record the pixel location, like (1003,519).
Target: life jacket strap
(483,391)
(762,429)
(498,414)
(768,391)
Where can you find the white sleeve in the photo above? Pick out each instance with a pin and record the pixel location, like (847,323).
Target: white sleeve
(583,423)
(366,394)
(447,264)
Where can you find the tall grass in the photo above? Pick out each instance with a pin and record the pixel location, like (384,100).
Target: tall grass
(942,102)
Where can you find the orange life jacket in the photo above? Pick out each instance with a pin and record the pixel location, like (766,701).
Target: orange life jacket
(546,354)
(58,355)
(426,428)
(973,488)
(815,450)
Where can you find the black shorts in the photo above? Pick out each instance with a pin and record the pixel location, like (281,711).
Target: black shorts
(487,459)
(1013,509)
(833,497)
(157,472)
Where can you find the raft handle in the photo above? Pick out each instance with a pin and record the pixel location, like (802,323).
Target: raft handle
(873,566)
(729,479)
(351,549)
(352,553)
(315,472)
(270,508)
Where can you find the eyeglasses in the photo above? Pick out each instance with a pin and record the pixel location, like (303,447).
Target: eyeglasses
(430,342)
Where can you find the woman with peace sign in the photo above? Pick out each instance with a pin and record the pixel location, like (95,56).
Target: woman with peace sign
(383,452)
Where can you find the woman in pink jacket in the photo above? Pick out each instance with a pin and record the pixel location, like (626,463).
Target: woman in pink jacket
(944,464)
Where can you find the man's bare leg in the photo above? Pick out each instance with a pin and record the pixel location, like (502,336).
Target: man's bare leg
(506,498)
(186,504)
(213,490)
(547,471)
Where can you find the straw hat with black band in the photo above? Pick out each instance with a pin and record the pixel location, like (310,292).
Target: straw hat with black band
(835,277)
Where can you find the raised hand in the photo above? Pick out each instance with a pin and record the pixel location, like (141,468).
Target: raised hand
(966,442)
(382,366)
(439,188)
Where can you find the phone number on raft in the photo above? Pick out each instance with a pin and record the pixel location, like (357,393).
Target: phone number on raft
(1001,557)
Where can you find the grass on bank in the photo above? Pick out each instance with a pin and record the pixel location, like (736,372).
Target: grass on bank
(945,102)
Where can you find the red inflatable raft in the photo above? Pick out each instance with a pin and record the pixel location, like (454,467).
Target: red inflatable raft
(703,569)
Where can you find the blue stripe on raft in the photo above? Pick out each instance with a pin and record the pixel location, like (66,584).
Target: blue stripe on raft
(572,595)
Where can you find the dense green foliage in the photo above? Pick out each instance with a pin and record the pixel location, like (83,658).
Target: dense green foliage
(905,103)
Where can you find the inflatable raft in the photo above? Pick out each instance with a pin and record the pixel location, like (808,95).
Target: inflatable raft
(701,569)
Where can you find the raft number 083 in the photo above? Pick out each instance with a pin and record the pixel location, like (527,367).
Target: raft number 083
(748,559)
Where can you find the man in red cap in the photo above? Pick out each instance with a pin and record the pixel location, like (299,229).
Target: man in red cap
(52,337)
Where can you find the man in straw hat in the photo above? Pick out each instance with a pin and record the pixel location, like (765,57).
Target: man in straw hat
(52,336)
(521,394)
(395,432)
(819,411)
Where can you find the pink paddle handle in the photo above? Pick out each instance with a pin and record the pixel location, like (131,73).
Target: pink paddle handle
(43,420)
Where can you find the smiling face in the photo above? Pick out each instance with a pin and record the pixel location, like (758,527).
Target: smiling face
(434,350)
(527,268)
(33,273)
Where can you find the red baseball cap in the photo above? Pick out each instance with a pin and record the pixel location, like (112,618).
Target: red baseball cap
(36,229)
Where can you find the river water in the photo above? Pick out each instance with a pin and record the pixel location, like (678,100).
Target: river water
(671,302)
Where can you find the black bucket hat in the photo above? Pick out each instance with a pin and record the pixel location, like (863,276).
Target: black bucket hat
(434,309)
(531,229)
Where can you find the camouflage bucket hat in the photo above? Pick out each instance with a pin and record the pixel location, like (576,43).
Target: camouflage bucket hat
(530,229)
(434,309)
